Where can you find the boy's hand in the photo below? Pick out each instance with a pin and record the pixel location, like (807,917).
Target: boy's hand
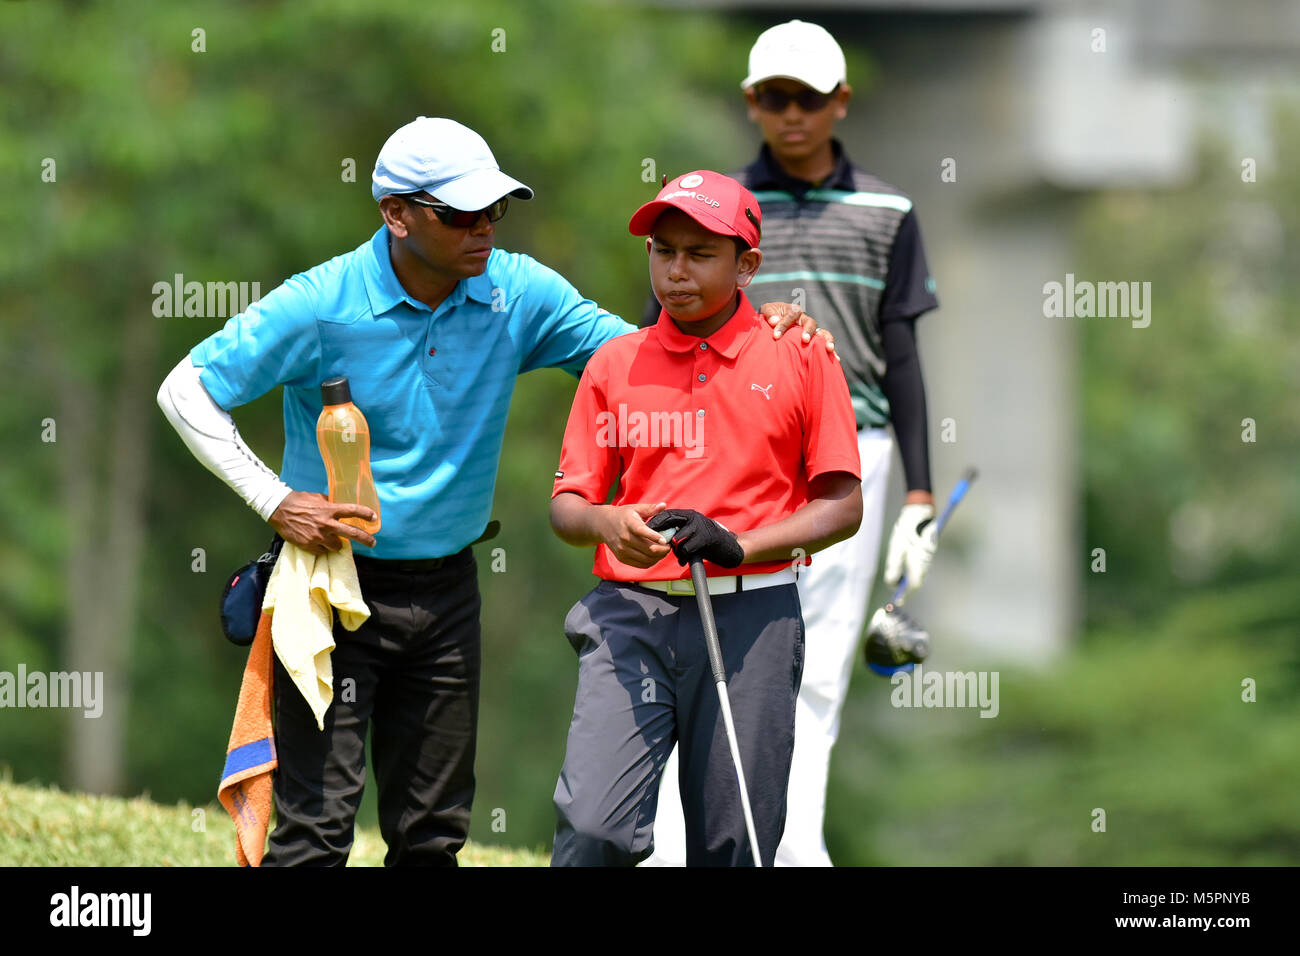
(782,315)
(699,536)
(624,531)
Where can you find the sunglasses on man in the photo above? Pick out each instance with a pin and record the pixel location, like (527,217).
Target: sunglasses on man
(461,218)
(772,100)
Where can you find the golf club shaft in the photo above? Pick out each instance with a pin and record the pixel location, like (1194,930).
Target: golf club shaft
(701,582)
(958,492)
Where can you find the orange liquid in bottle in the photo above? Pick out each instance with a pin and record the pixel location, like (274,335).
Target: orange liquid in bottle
(344,440)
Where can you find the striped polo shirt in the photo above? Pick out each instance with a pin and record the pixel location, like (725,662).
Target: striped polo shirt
(434,384)
(848,250)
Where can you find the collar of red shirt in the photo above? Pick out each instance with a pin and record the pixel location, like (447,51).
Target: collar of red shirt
(728,340)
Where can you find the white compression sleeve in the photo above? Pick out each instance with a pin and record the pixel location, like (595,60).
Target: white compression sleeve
(210,433)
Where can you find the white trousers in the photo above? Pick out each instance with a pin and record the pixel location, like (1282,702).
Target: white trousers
(833,591)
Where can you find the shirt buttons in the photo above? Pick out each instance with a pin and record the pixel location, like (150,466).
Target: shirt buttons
(704,346)
(700,413)
(703,376)
(433,351)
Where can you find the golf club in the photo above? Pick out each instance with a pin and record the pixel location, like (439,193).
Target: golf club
(894,641)
(701,581)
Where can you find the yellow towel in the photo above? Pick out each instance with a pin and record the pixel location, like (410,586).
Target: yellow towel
(303,590)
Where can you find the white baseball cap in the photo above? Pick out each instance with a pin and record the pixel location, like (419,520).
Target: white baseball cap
(446,159)
(797,51)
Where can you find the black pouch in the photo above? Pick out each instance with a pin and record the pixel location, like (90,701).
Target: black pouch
(241,599)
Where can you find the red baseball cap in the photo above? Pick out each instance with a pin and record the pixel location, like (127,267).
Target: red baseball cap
(716,202)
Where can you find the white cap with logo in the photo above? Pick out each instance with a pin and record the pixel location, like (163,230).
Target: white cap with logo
(797,51)
(446,159)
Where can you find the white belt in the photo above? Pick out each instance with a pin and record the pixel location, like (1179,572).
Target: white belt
(685,587)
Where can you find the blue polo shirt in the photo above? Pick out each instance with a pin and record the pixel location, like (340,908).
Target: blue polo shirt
(434,385)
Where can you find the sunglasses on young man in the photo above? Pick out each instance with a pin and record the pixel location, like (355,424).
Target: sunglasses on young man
(460,218)
(773,100)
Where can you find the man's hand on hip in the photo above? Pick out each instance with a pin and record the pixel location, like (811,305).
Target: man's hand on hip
(310,520)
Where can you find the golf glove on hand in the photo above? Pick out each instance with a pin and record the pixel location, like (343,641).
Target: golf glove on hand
(698,536)
(911,547)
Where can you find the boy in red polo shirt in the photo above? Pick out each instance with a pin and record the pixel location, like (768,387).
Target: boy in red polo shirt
(746,446)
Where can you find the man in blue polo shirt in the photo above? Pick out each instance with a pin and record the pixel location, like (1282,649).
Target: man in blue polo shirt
(431,325)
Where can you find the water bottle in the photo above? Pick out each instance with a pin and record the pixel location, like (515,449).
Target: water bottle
(344,440)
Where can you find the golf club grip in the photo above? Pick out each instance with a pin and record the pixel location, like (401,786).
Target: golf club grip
(958,493)
(701,582)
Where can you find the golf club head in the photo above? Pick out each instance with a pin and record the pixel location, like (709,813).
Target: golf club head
(895,642)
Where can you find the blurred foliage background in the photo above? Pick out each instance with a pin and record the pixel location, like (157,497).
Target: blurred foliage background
(228,165)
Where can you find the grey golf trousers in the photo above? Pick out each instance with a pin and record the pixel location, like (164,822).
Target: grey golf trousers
(644,683)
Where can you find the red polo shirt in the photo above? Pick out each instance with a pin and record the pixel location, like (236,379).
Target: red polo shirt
(734,425)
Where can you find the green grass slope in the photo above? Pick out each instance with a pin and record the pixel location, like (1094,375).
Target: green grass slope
(47,827)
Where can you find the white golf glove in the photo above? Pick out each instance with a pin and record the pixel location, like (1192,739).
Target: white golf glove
(911,547)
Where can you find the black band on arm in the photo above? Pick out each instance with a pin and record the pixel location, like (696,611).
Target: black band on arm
(909,290)
(905,391)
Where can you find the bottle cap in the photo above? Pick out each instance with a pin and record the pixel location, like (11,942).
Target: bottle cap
(335,391)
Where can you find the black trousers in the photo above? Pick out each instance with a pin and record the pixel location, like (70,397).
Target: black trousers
(410,674)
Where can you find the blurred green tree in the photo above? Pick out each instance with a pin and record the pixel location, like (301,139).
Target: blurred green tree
(1191,430)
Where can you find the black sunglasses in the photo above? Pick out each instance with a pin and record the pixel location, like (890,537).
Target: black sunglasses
(775,101)
(461,218)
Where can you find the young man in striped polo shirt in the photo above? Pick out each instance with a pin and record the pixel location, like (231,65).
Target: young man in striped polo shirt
(845,246)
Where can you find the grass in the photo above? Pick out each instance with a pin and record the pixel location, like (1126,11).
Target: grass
(41,826)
